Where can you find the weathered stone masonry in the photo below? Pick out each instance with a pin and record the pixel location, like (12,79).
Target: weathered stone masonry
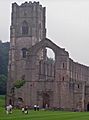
(62,83)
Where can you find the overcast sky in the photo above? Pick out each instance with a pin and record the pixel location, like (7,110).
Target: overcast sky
(67,23)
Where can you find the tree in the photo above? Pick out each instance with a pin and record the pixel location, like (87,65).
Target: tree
(3,80)
(4,55)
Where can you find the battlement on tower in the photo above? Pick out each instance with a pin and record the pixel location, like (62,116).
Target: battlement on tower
(27,4)
(30,16)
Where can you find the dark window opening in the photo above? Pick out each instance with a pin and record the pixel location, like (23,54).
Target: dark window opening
(24,28)
(63,65)
(63,78)
(20,99)
(78,85)
(10,101)
(88,107)
(24,52)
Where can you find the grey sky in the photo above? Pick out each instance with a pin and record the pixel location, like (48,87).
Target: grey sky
(67,24)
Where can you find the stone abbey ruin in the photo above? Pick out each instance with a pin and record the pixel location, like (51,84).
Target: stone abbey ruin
(60,83)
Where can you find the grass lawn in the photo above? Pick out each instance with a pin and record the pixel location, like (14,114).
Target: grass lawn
(41,115)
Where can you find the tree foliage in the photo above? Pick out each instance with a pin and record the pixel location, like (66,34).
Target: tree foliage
(3,80)
(19,83)
(4,55)
(50,60)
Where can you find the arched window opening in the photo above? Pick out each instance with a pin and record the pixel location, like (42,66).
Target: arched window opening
(50,55)
(19,102)
(46,64)
(24,52)
(25,28)
(20,99)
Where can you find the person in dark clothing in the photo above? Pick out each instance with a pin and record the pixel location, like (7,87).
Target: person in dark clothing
(26,110)
(37,107)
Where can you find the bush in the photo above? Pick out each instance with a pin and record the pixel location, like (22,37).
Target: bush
(19,83)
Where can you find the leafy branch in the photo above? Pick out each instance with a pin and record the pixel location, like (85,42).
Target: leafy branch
(19,83)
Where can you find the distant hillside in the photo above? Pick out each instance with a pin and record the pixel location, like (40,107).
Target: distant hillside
(4,55)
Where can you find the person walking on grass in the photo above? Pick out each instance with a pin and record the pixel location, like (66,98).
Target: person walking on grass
(35,107)
(22,109)
(9,109)
(26,110)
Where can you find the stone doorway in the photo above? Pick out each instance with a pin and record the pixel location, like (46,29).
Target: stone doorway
(88,107)
(10,102)
(20,102)
(46,100)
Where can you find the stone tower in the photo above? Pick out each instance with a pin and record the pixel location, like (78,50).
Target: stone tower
(27,29)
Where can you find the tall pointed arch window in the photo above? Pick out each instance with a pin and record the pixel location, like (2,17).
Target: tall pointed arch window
(25,28)
(24,52)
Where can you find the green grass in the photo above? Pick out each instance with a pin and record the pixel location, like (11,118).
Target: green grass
(41,115)
(44,115)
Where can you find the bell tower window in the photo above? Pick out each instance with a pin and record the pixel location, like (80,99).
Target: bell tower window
(25,28)
(24,52)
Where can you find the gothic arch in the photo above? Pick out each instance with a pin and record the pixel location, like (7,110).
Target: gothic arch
(25,28)
(47,43)
(46,100)
(43,44)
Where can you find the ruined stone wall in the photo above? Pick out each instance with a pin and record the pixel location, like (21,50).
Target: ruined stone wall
(79,79)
